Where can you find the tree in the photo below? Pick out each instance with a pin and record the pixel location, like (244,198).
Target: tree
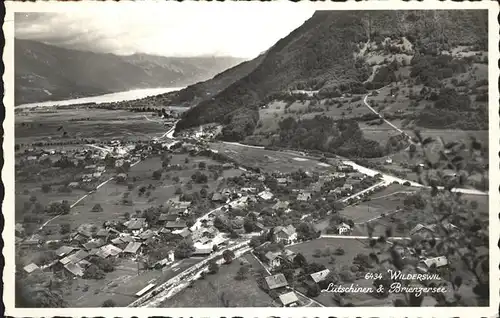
(249,225)
(157,174)
(242,273)
(97,208)
(199,177)
(228,256)
(109,303)
(213,267)
(202,165)
(184,249)
(65,228)
(313,290)
(36,291)
(46,188)
(93,272)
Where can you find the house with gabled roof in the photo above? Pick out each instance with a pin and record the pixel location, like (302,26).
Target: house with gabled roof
(65,250)
(103,233)
(167,217)
(108,250)
(30,268)
(281,205)
(272,259)
(175,225)
(285,235)
(74,269)
(135,223)
(184,233)
(266,195)
(219,197)
(75,257)
(423,231)
(304,196)
(276,281)
(289,299)
(437,262)
(320,276)
(94,244)
(132,247)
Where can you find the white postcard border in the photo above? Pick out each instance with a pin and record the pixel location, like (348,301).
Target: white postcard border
(494,174)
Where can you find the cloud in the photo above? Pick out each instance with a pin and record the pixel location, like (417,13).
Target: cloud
(169,29)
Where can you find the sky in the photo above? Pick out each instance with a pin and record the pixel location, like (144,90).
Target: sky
(166,28)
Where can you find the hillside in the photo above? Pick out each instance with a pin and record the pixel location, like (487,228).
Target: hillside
(45,72)
(194,94)
(345,52)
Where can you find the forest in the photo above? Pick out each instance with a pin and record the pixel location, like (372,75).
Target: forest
(343,137)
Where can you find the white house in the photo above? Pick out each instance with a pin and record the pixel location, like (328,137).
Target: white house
(266,195)
(426,264)
(285,235)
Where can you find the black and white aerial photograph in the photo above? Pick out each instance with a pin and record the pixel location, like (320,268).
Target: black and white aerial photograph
(213,155)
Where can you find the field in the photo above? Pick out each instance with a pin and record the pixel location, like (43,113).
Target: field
(269,160)
(277,111)
(210,291)
(351,247)
(80,123)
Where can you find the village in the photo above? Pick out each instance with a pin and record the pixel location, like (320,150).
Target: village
(262,213)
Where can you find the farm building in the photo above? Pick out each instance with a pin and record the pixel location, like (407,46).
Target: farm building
(94,244)
(345,168)
(167,260)
(135,223)
(132,247)
(218,197)
(202,252)
(281,205)
(175,225)
(289,299)
(320,276)
(75,257)
(304,196)
(183,233)
(65,250)
(437,262)
(74,269)
(276,281)
(108,250)
(164,217)
(146,235)
(266,195)
(30,268)
(104,233)
(424,231)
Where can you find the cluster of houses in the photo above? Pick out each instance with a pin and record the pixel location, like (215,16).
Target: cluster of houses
(287,296)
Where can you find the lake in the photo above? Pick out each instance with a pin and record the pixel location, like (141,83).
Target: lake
(106,98)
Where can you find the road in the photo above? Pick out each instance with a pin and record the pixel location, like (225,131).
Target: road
(383,183)
(357,237)
(365,100)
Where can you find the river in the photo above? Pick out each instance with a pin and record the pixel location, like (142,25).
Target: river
(106,98)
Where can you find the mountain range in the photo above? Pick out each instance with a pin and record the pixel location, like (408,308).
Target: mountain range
(45,72)
(331,52)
